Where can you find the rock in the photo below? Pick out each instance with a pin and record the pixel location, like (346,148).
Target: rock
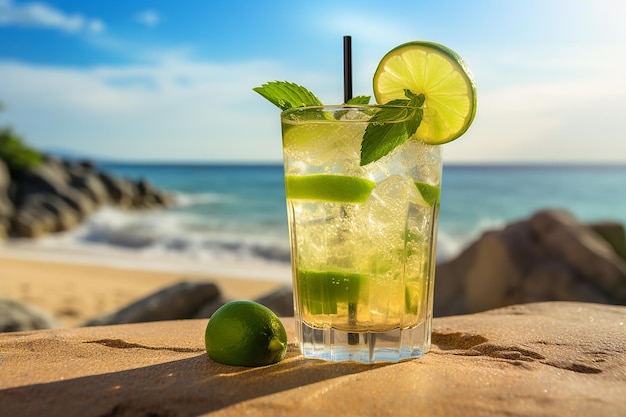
(16,317)
(84,178)
(588,254)
(57,195)
(535,360)
(179,301)
(614,233)
(52,178)
(120,190)
(6,206)
(40,214)
(148,196)
(211,307)
(29,224)
(550,256)
(279,301)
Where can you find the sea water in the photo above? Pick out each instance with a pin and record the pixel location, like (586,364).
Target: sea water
(232,217)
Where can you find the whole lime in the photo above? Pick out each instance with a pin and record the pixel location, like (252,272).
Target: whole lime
(245,333)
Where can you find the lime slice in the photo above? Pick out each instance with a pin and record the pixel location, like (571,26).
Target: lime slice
(327,187)
(441,75)
(430,193)
(322,291)
(245,333)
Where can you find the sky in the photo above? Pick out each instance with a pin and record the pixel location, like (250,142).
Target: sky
(158,80)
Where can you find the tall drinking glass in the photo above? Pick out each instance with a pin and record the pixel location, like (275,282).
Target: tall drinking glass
(362,237)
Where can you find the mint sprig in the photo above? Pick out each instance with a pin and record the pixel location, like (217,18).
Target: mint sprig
(359,100)
(389,128)
(286,95)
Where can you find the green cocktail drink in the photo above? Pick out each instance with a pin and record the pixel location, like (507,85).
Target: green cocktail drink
(363,185)
(362,237)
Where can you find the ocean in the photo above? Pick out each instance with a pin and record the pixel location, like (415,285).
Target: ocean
(231,218)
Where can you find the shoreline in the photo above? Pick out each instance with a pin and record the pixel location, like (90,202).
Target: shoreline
(75,288)
(119,258)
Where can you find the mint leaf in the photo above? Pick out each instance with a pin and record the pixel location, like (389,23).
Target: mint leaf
(359,100)
(287,95)
(391,127)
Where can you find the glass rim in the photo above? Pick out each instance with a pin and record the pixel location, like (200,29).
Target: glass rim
(328,108)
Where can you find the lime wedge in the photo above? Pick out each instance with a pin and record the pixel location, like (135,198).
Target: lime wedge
(322,291)
(441,75)
(326,187)
(430,193)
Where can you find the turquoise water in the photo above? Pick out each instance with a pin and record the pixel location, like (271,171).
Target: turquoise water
(476,198)
(237,212)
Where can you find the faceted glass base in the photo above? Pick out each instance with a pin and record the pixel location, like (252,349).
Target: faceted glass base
(338,345)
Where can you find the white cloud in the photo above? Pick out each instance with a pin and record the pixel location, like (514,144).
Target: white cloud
(176,110)
(567,121)
(181,109)
(149,18)
(96,26)
(45,16)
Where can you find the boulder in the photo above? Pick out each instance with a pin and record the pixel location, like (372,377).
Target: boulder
(279,301)
(147,196)
(590,256)
(83,177)
(209,308)
(52,178)
(179,301)
(120,190)
(16,317)
(41,214)
(6,206)
(614,233)
(190,300)
(550,256)
(33,223)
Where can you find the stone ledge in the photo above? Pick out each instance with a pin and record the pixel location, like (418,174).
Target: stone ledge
(544,359)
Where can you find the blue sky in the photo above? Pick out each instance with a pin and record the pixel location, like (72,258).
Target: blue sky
(161,80)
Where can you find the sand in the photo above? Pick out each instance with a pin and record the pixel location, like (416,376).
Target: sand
(535,360)
(75,293)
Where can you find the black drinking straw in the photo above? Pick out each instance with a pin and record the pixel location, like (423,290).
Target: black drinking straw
(347,68)
(353,338)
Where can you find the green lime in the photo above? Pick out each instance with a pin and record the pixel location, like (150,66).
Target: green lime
(326,187)
(442,76)
(245,333)
(430,193)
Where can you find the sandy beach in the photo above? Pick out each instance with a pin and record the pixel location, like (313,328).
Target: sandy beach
(75,292)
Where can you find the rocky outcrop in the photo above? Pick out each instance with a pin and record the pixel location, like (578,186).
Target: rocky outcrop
(548,257)
(535,360)
(57,195)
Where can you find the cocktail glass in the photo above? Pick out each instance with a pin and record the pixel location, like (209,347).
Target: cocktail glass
(362,238)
